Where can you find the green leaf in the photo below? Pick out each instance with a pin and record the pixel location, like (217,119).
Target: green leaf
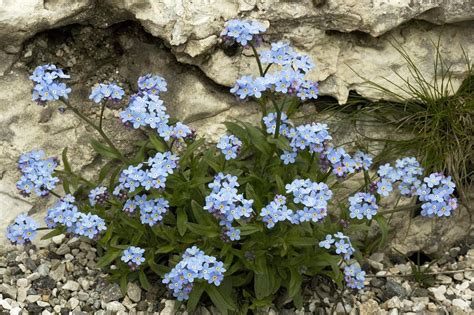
(104,150)
(294,286)
(190,150)
(144,280)
(157,143)
(208,231)
(182,219)
(280,184)
(223,302)
(250,193)
(249,229)
(236,130)
(105,170)
(124,283)
(195,296)
(259,139)
(53,233)
(109,257)
(281,143)
(67,166)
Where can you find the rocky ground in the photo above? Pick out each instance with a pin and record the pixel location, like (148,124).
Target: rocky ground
(62,278)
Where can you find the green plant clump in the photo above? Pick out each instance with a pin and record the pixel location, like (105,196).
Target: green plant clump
(241,224)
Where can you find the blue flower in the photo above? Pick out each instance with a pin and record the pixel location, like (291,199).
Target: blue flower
(288,157)
(47,85)
(152,84)
(98,195)
(193,265)
(159,168)
(354,276)
(89,225)
(133,256)
(362,205)
(102,91)
(341,243)
(225,203)
(181,132)
(384,187)
(37,173)
(229,146)
(22,230)
(152,211)
(436,195)
(246,86)
(243,32)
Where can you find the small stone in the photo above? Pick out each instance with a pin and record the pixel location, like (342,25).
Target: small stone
(377,282)
(72,303)
(454,252)
(111,293)
(378,257)
(393,311)
(370,307)
(71,286)
(128,303)
(33,298)
(431,307)
(8,291)
(458,276)
(30,264)
(57,274)
(420,292)
(375,264)
(134,292)
(42,303)
(43,270)
(58,239)
(82,296)
(22,283)
(461,304)
(5,305)
(57,309)
(22,294)
(394,302)
(439,293)
(34,276)
(393,288)
(444,279)
(115,306)
(407,305)
(142,306)
(63,250)
(463,286)
(85,284)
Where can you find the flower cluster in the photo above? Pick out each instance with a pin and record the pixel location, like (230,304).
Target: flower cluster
(287,79)
(270,122)
(98,195)
(36,173)
(313,196)
(226,204)
(362,205)
(243,32)
(195,264)
(276,211)
(343,164)
(159,167)
(436,195)
(146,109)
(354,276)
(47,85)
(341,242)
(229,146)
(66,213)
(133,256)
(152,211)
(313,137)
(103,91)
(22,230)
(152,84)
(406,170)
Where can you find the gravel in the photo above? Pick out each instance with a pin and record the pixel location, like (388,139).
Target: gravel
(63,279)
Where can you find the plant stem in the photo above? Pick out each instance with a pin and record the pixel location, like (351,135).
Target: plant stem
(313,155)
(97,128)
(55,194)
(259,63)
(428,273)
(102,108)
